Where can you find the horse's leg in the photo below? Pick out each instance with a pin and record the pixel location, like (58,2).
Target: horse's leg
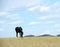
(16,34)
(21,34)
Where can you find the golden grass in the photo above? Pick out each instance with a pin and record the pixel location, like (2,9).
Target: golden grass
(30,42)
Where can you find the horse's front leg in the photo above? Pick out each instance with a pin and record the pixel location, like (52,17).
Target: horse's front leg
(16,34)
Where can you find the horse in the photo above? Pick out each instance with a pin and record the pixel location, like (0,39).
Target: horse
(19,30)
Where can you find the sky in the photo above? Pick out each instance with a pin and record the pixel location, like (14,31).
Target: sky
(36,17)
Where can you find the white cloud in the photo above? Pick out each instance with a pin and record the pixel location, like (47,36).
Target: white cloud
(14,17)
(41,22)
(33,8)
(42,18)
(44,8)
(34,23)
(46,32)
(1,29)
(55,8)
(58,30)
(2,22)
(11,5)
(3,13)
(57,25)
(49,22)
(40,8)
(33,3)
(58,10)
(15,22)
(48,17)
(15,4)
(56,4)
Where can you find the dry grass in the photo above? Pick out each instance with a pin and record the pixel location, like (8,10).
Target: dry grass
(30,42)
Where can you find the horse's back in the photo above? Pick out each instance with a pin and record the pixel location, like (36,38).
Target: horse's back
(18,29)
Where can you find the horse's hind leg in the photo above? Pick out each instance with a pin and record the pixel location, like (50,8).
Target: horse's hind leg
(21,35)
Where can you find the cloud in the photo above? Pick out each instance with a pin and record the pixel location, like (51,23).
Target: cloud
(1,29)
(50,16)
(45,8)
(34,23)
(33,3)
(36,6)
(41,22)
(46,32)
(3,13)
(39,8)
(58,30)
(42,18)
(10,19)
(10,5)
(58,10)
(15,4)
(33,8)
(2,22)
(55,8)
(49,22)
(14,17)
(56,4)
(57,25)
(15,22)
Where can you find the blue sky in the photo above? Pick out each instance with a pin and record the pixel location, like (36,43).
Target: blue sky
(36,17)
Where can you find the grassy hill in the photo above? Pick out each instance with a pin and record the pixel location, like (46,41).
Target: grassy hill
(30,42)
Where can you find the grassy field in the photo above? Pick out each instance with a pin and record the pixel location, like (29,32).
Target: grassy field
(30,42)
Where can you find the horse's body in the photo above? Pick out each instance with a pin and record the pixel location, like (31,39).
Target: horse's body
(19,30)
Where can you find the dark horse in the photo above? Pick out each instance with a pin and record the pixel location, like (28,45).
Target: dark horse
(19,30)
